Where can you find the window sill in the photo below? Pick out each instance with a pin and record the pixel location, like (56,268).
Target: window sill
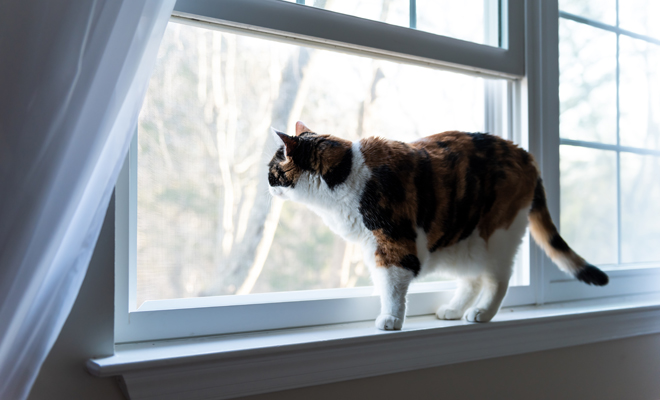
(230,366)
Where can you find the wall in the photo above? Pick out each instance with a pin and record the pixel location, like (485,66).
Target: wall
(88,332)
(621,369)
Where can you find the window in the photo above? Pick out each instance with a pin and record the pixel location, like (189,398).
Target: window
(609,131)
(200,245)
(204,143)
(443,17)
(204,239)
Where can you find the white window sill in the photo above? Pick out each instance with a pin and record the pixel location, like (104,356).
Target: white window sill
(230,366)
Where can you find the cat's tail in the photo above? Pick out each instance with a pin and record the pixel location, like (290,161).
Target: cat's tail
(546,235)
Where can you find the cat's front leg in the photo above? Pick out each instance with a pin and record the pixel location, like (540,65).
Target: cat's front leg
(392,283)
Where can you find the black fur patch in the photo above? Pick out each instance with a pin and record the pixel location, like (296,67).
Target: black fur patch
(483,142)
(402,229)
(481,178)
(525,156)
(411,263)
(389,182)
(385,185)
(504,147)
(277,158)
(373,215)
(451,159)
(273,166)
(593,276)
(424,183)
(339,174)
(558,243)
(449,219)
(539,203)
(304,154)
(469,208)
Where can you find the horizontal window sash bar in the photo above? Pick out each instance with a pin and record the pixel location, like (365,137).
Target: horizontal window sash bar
(158,324)
(308,26)
(609,147)
(631,266)
(607,27)
(282,297)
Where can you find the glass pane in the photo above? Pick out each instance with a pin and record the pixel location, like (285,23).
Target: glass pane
(639,93)
(588,202)
(442,17)
(395,12)
(206,222)
(448,18)
(599,10)
(640,16)
(640,208)
(587,82)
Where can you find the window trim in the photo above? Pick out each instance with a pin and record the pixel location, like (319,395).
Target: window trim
(179,318)
(184,370)
(625,278)
(534,108)
(315,27)
(223,367)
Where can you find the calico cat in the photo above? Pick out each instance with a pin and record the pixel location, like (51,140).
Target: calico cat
(454,202)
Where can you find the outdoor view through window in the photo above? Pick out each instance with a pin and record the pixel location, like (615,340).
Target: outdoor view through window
(206,223)
(609,64)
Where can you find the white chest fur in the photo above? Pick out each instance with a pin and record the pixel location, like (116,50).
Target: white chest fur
(338,207)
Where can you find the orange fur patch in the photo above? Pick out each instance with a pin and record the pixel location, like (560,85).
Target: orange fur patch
(469,181)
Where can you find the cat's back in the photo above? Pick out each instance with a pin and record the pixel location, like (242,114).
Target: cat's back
(485,181)
(449,184)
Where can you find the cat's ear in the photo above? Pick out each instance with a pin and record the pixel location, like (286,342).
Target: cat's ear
(276,136)
(301,128)
(289,142)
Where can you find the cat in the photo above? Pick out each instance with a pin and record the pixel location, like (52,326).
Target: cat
(454,201)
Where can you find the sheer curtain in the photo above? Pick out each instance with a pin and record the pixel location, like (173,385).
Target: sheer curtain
(72,78)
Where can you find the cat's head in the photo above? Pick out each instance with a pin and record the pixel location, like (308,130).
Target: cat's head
(307,162)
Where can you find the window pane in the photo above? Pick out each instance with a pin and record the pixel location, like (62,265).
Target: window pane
(588,202)
(448,18)
(587,82)
(640,16)
(442,17)
(640,208)
(639,93)
(206,222)
(395,12)
(599,10)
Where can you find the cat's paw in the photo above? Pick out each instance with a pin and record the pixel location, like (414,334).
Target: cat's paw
(386,322)
(444,312)
(475,314)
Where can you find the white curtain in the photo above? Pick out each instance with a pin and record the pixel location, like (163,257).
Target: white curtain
(72,79)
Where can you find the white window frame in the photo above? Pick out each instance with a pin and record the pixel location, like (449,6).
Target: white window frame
(228,366)
(625,278)
(533,118)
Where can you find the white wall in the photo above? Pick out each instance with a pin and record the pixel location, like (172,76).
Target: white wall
(622,369)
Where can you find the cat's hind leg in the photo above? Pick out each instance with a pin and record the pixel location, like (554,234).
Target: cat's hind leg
(500,254)
(492,294)
(392,283)
(466,292)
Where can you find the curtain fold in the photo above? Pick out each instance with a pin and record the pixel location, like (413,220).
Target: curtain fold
(72,79)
